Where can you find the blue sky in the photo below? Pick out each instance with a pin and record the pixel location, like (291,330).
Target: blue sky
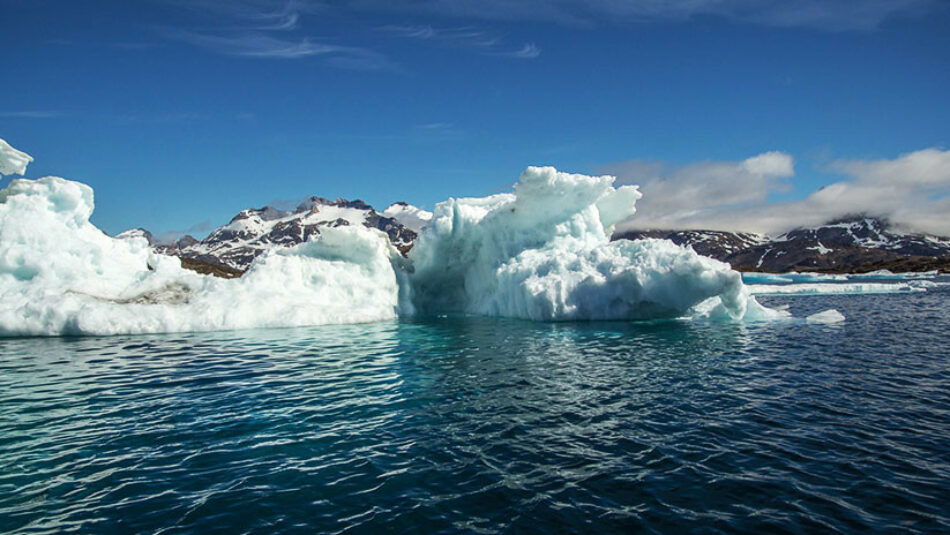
(181,113)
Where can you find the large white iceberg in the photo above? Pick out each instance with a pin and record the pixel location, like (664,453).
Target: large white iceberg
(544,253)
(541,253)
(12,161)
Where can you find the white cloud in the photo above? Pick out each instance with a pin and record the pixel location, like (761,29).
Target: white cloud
(912,190)
(770,164)
(687,196)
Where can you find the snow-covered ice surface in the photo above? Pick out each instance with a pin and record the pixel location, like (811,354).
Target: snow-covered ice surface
(12,161)
(541,253)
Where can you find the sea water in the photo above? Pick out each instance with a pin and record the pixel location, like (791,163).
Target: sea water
(478,425)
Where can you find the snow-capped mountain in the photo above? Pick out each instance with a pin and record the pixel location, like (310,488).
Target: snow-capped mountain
(714,243)
(410,216)
(253,231)
(133,233)
(852,244)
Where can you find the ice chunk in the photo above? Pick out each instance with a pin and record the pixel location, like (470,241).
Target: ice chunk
(544,253)
(12,161)
(827,317)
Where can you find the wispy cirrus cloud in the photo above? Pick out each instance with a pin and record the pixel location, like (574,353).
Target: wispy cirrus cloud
(528,51)
(262,45)
(263,15)
(270,30)
(465,37)
(31,114)
(844,15)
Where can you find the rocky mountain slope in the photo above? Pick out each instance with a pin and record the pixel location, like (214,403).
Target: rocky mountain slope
(850,245)
(853,244)
(253,231)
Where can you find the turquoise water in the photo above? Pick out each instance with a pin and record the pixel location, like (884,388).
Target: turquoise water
(479,425)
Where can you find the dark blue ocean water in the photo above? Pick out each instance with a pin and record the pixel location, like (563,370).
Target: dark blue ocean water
(480,426)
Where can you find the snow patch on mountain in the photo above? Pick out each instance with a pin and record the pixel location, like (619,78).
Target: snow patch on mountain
(412,217)
(254,231)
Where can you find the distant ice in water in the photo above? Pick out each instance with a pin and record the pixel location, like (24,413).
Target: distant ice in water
(841,288)
(542,252)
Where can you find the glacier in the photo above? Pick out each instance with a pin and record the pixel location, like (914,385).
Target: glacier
(542,253)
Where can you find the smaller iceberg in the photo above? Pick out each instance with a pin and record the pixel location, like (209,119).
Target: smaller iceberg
(59,275)
(827,317)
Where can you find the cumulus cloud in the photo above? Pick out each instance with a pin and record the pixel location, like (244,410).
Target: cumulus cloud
(683,197)
(912,190)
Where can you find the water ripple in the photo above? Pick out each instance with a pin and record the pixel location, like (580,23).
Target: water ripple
(482,426)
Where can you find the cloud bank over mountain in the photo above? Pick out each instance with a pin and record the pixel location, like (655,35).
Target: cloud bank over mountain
(912,190)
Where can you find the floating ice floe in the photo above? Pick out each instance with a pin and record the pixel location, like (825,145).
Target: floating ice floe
(827,317)
(840,288)
(793,277)
(542,252)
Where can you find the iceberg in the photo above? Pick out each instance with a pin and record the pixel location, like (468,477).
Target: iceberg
(827,317)
(541,253)
(60,275)
(544,253)
(12,161)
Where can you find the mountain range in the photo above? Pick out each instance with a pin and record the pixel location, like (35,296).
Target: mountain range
(853,244)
